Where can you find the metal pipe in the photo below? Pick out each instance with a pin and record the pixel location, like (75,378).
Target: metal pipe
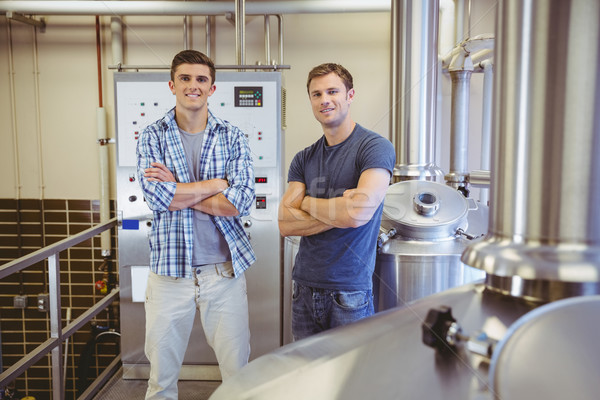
(486,123)
(223,66)
(414,65)
(480,178)
(36,78)
(13,103)
(88,7)
(280,41)
(99,61)
(208,34)
(240,32)
(116,43)
(104,178)
(267,40)
(394,74)
(185,33)
(101,133)
(447,21)
(544,218)
(459,11)
(459,129)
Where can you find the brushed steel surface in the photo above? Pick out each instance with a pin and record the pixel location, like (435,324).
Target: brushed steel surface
(414,88)
(400,211)
(382,357)
(409,270)
(424,257)
(558,341)
(544,214)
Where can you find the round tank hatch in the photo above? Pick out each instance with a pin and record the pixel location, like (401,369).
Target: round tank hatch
(550,353)
(424,210)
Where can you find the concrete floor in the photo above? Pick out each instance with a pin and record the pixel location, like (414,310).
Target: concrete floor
(118,388)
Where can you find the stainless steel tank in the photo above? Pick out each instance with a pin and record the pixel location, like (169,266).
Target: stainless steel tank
(430,225)
(543,244)
(544,238)
(382,357)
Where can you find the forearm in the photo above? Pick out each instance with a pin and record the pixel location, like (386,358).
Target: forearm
(340,212)
(217,205)
(295,222)
(189,194)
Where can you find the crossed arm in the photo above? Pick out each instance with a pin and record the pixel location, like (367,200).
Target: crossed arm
(204,196)
(304,215)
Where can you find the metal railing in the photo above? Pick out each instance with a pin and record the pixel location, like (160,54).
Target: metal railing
(57,334)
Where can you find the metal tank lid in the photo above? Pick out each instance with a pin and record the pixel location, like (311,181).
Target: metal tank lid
(530,361)
(424,210)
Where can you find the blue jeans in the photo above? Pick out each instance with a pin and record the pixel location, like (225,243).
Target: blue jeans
(315,310)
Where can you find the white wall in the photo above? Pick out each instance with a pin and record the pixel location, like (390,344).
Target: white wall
(68,86)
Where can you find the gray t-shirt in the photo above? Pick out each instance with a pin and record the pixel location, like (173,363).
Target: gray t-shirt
(340,259)
(210,246)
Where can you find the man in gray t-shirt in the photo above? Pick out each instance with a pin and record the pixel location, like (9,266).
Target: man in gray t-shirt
(334,201)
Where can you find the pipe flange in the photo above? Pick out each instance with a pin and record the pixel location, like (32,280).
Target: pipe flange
(426,203)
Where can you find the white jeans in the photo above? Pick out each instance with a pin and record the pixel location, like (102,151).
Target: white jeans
(171,305)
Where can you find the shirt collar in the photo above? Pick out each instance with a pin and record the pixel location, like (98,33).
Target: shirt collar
(212,123)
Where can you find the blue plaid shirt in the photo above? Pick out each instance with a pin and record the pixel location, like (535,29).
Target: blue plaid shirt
(225,155)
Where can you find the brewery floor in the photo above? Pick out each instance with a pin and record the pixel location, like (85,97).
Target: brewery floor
(118,388)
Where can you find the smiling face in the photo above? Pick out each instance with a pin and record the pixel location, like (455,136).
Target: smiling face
(192,85)
(330,100)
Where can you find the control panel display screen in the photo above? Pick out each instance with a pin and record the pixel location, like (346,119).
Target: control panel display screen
(260,179)
(248,96)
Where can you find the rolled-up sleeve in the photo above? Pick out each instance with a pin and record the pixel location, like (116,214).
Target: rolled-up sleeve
(240,175)
(158,195)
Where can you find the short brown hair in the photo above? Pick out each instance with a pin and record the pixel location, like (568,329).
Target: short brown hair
(192,57)
(327,68)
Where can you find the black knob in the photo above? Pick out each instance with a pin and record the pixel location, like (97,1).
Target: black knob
(132,198)
(436,326)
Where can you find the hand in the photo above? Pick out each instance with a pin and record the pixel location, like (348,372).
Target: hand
(220,184)
(158,173)
(349,193)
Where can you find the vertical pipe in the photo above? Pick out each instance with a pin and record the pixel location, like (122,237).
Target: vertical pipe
(486,128)
(11,82)
(36,78)
(394,75)
(116,44)
(459,130)
(99,61)
(469,19)
(267,40)
(544,234)
(185,33)
(460,21)
(414,88)
(102,149)
(104,178)
(447,21)
(280,40)
(240,32)
(208,35)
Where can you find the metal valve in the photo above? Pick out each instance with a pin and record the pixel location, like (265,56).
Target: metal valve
(442,332)
(440,329)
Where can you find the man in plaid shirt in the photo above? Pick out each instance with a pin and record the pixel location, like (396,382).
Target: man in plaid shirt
(196,174)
